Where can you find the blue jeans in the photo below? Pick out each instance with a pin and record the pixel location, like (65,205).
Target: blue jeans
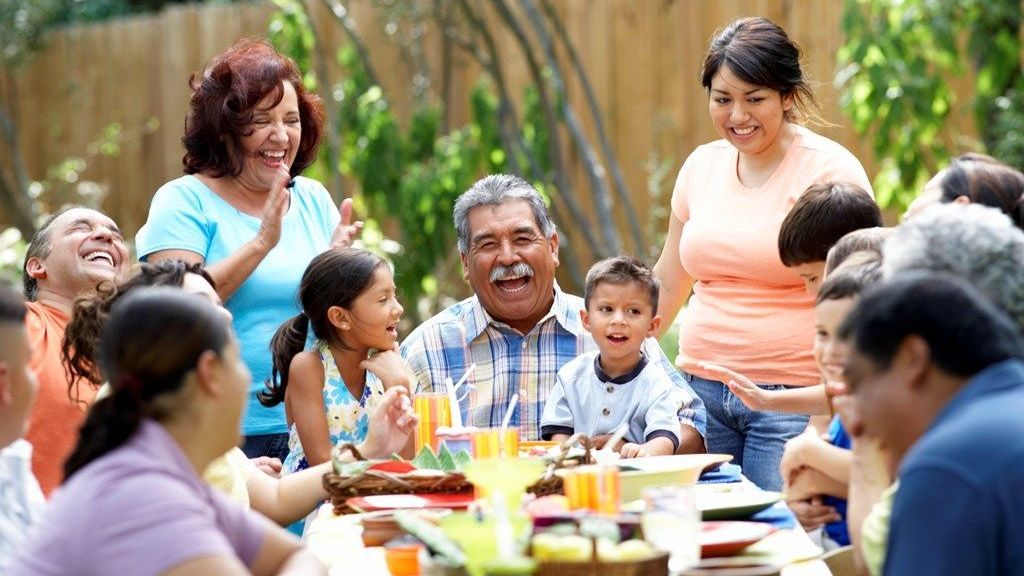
(755,439)
(272,445)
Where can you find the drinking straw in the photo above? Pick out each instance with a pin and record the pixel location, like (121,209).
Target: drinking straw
(465,376)
(505,422)
(453,404)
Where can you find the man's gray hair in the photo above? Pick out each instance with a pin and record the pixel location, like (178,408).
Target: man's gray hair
(975,242)
(495,190)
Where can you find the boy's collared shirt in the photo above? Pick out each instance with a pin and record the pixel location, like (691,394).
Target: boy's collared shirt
(588,401)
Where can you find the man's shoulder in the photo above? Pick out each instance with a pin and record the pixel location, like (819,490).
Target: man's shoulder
(447,326)
(953,443)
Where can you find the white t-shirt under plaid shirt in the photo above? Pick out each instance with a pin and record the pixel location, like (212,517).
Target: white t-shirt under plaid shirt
(507,361)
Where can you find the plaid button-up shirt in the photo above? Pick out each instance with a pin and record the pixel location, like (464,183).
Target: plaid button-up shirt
(508,361)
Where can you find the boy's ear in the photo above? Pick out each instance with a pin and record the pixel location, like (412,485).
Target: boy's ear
(338,317)
(585,319)
(655,324)
(6,397)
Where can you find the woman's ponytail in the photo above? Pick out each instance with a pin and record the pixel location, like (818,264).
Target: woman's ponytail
(110,423)
(288,341)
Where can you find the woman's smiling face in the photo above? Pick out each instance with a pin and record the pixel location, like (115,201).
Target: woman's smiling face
(748,116)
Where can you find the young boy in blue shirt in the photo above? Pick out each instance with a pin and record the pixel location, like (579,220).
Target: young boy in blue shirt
(615,386)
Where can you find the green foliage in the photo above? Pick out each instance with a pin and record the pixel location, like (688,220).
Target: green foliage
(12,254)
(894,68)
(408,174)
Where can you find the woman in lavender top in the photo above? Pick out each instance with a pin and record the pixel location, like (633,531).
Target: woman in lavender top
(133,501)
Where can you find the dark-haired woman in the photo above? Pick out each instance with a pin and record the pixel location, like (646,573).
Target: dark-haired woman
(244,211)
(974,178)
(133,502)
(748,311)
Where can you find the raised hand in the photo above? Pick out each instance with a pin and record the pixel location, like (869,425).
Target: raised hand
(752,395)
(274,210)
(347,230)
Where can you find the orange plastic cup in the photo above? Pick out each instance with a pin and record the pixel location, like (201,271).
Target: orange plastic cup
(433,410)
(496,443)
(594,488)
(403,560)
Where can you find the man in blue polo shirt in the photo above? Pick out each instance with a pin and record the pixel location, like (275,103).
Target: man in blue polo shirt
(937,374)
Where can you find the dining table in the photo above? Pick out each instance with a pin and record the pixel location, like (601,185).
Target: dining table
(336,539)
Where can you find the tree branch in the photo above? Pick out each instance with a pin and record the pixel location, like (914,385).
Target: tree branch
(621,190)
(333,146)
(342,16)
(595,171)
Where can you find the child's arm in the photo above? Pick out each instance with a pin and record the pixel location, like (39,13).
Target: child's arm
(810,482)
(805,400)
(305,399)
(869,478)
(809,450)
(389,367)
(288,499)
(657,446)
(556,421)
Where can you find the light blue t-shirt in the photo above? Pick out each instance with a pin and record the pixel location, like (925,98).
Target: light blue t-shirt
(186,215)
(585,400)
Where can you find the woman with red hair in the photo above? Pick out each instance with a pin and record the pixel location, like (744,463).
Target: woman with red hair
(242,209)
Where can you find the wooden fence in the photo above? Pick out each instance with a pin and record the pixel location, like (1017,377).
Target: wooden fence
(642,57)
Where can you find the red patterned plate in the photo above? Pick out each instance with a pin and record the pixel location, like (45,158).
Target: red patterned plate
(728,538)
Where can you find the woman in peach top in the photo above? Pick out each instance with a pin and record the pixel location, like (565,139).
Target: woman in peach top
(748,311)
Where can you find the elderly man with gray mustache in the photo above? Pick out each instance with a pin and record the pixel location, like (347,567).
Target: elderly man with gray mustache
(518,328)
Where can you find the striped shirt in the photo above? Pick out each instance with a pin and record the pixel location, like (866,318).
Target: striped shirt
(508,361)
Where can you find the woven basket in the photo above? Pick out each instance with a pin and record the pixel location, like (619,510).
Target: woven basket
(375,482)
(551,483)
(654,566)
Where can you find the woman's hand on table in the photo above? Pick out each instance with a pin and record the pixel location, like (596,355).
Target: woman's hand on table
(752,395)
(391,424)
(274,210)
(347,230)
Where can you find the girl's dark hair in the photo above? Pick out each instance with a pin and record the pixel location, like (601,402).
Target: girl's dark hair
(986,181)
(760,52)
(224,100)
(335,278)
(152,340)
(81,342)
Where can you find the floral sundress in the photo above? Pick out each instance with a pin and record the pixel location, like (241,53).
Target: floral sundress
(347,417)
